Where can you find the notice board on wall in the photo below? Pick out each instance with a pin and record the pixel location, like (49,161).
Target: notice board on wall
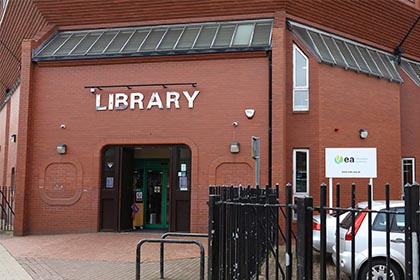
(350,163)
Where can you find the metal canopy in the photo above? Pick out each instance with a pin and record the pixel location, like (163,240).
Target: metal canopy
(338,51)
(158,40)
(412,68)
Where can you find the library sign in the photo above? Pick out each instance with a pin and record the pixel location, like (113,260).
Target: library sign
(350,163)
(140,101)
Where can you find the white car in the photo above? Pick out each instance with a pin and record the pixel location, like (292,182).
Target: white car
(331,221)
(379,269)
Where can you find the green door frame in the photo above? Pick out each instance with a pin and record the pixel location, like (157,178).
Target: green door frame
(155,165)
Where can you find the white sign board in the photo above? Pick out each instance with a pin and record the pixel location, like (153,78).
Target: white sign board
(350,163)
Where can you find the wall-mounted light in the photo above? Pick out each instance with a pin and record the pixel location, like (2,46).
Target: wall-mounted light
(234,147)
(363,133)
(62,149)
(249,113)
(13,138)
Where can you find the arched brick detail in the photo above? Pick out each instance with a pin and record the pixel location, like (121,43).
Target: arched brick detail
(237,166)
(61,181)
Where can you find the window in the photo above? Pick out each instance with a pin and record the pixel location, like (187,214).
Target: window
(301,171)
(300,80)
(13,179)
(408,171)
(397,221)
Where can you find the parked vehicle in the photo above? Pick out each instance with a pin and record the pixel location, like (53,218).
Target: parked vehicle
(331,221)
(379,269)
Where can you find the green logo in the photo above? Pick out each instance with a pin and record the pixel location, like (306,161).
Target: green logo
(340,159)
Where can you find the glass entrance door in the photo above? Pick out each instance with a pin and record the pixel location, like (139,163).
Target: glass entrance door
(156,198)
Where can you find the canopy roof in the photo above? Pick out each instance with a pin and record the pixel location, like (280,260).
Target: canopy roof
(338,51)
(205,37)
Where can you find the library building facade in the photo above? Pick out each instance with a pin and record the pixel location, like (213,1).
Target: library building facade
(120,118)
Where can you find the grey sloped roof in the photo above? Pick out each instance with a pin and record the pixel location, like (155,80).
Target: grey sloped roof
(158,40)
(412,68)
(341,52)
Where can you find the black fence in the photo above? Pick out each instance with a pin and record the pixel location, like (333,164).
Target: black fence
(245,233)
(7,204)
(251,236)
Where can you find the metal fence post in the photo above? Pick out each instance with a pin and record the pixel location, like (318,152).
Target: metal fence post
(415,224)
(289,253)
(222,241)
(323,245)
(304,238)
(267,233)
(408,231)
(213,246)
(337,231)
(411,221)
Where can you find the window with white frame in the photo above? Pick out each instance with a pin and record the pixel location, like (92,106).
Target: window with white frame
(301,171)
(408,171)
(300,80)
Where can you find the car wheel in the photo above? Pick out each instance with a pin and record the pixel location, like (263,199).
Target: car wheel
(379,271)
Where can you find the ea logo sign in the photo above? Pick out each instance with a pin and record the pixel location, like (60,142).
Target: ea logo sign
(339,159)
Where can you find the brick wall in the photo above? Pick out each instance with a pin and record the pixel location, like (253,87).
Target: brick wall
(3,142)
(227,87)
(341,103)
(350,102)
(13,129)
(410,126)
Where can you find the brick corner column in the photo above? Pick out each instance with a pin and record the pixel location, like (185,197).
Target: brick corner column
(23,139)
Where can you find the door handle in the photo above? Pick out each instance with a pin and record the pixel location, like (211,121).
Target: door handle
(398,240)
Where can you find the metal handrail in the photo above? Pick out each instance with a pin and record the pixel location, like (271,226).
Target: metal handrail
(7,213)
(175,241)
(4,198)
(181,234)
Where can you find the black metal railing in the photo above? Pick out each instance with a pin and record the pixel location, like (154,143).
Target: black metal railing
(397,220)
(7,205)
(247,240)
(246,228)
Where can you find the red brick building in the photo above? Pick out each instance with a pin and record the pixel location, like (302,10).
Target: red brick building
(104,104)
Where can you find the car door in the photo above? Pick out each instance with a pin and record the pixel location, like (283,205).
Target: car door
(397,235)
(398,231)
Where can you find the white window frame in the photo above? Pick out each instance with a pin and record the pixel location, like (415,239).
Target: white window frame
(296,88)
(413,160)
(294,172)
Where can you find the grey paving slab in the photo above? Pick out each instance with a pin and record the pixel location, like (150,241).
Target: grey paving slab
(58,269)
(10,269)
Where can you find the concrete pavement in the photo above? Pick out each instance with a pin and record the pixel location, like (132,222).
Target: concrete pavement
(10,269)
(91,256)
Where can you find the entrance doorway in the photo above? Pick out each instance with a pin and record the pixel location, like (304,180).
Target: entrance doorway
(151,179)
(145,186)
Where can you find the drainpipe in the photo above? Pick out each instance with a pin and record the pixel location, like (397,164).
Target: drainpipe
(270,119)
